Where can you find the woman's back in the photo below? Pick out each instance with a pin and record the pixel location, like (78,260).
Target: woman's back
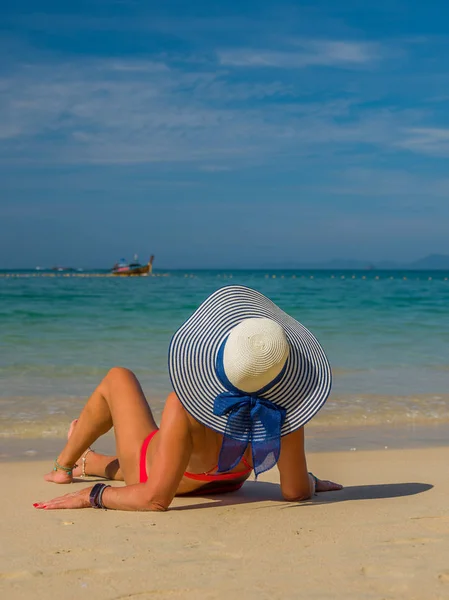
(205,450)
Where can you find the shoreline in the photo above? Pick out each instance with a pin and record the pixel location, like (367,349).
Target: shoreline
(49,416)
(319,439)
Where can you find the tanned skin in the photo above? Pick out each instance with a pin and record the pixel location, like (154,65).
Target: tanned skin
(182,444)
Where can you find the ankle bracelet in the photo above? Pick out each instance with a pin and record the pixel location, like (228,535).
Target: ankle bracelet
(83,463)
(58,467)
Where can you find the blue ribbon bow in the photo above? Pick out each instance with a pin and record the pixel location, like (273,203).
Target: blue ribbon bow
(251,420)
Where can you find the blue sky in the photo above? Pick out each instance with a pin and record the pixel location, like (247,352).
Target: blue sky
(223,134)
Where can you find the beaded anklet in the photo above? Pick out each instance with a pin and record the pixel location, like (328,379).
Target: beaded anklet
(58,467)
(83,459)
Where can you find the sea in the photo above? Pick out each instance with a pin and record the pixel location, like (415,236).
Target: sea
(386,334)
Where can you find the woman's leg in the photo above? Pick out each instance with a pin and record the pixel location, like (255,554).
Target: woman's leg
(119,402)
(101,465)
(94,463)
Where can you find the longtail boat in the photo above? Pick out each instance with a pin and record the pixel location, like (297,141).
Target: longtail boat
(124,269)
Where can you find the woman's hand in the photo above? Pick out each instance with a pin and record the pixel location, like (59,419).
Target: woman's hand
(323,485)
(79,499)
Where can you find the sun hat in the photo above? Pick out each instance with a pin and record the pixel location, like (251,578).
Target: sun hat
(245,368)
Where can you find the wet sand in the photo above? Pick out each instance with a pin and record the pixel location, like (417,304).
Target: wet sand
(386,535)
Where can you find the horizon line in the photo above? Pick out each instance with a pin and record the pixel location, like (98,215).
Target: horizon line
(161,270)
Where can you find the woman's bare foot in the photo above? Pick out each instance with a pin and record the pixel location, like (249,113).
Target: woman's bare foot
(59,476)
(90,464)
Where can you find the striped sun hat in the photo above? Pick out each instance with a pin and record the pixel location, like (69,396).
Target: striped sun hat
(246,369)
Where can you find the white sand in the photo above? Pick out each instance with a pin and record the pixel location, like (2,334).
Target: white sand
(385,536)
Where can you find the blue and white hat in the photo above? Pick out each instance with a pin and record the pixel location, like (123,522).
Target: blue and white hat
(246,369)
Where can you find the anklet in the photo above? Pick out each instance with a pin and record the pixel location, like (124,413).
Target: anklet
(58,467)
(83,466)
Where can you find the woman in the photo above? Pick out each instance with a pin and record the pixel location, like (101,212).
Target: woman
(246,378)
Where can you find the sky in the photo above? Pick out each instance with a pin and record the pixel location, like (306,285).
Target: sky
(223,134)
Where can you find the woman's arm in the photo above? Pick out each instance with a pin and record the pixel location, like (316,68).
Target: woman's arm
(296,483)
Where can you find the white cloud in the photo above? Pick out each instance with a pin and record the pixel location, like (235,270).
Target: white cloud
(426,140)
(111,111)
(145,66)
(310,53)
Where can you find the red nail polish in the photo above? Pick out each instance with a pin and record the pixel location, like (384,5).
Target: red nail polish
(36,504)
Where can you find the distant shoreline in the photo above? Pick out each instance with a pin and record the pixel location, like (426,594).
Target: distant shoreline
(102,271)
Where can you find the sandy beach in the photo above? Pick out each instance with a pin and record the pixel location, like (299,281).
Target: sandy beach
(386,535)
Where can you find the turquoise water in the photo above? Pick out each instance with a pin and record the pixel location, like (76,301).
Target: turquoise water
(386,335)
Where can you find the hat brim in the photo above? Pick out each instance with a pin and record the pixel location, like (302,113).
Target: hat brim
(192,355)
